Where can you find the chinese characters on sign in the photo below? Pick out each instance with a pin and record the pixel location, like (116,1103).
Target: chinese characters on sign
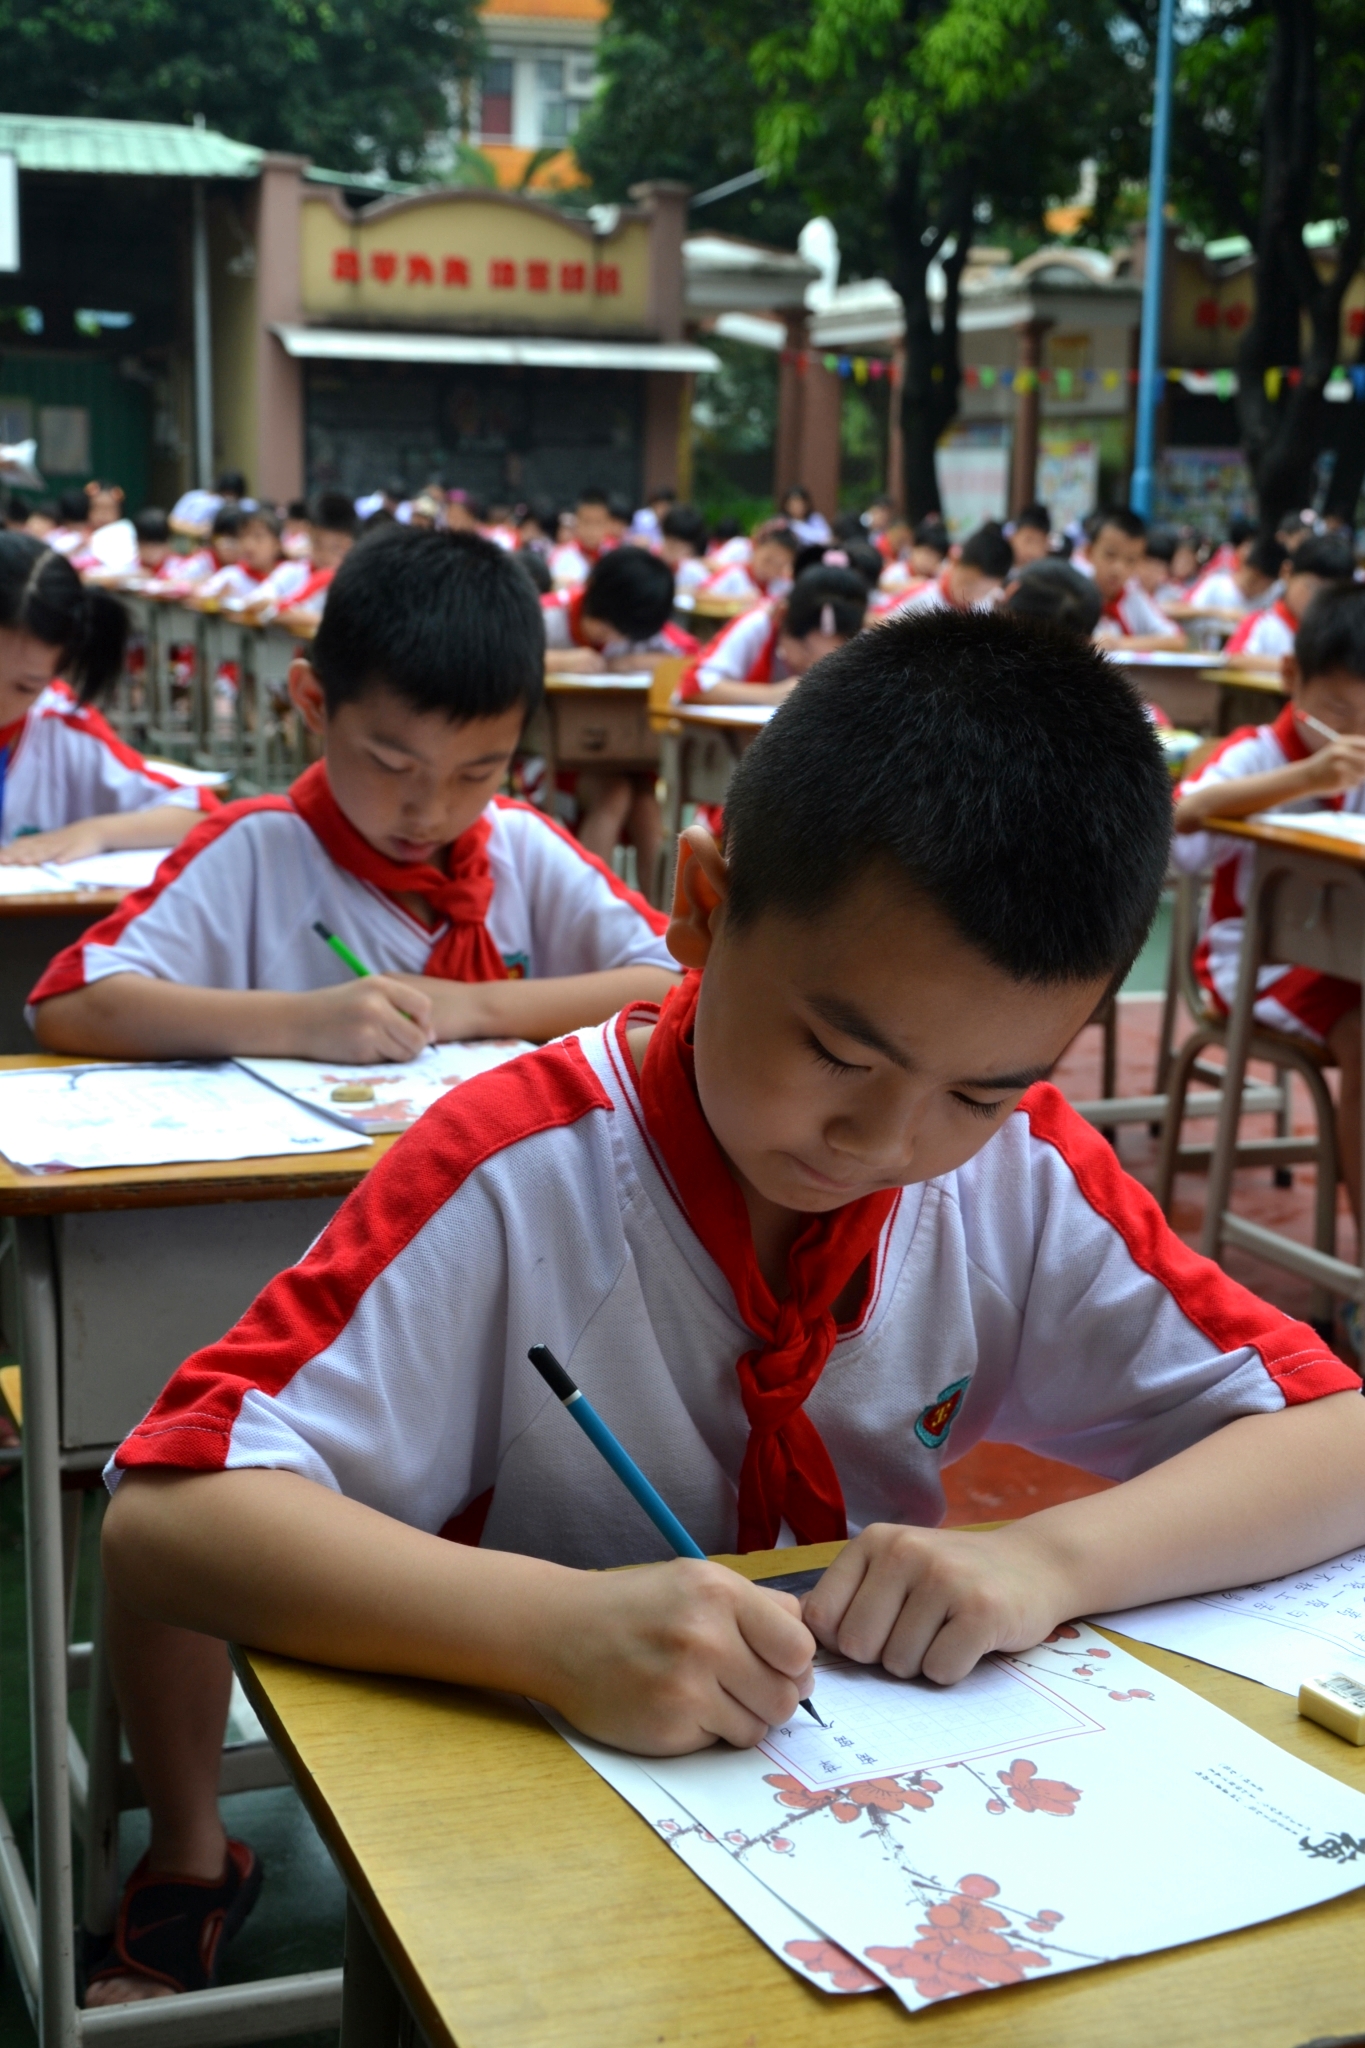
(385,266)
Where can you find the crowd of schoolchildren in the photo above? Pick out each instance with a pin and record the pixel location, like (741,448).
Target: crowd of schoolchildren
(799,1120)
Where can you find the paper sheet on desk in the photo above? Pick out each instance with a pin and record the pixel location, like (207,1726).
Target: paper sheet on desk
(401,1092)
(75,1119)
(1057,1809)
(131,868)
(17,881)
(1330,824)
(1278,1633)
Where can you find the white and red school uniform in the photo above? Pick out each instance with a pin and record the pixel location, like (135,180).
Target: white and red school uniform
(232,584)
(1131,613)
(234,906)
(1035,1296)
(746,652)
(1293,999)
(738,549)
(691,576)
(934,595)
(112,548)
(283,584)
(1218,590)
(183,570)
(562,611)
(1269,631)
(571,564)
(63,762)
(311,597)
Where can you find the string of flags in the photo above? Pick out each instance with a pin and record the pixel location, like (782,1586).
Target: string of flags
(1344,384)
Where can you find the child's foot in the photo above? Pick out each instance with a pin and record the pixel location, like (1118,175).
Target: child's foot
(171,1932)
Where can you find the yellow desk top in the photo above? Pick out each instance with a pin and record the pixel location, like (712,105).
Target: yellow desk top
(1285,835)
(524,1905)
(177,1187)
(70,903)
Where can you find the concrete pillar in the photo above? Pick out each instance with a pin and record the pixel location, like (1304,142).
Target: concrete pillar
(667,393)
(1027,412)
(279,467)
(665,201)
(809,400)
(895,439)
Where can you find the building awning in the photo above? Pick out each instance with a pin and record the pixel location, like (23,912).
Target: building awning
(523,351)
(130,149)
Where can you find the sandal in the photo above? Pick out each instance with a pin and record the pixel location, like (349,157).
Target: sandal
(173,1930)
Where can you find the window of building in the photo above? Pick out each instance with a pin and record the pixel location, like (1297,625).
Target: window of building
(495,100)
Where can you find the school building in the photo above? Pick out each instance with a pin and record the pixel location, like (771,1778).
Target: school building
(185,302)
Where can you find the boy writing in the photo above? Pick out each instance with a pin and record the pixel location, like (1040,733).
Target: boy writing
(623,612)
(1290,765)
(477,916)
(1266,637)
(802,1236)
(970,579)
(762,655)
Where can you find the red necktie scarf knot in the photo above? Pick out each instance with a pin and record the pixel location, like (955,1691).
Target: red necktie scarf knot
(459,896)
(787,1473)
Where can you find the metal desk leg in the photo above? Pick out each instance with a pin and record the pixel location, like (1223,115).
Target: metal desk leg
(371,2003)
(671,746)
(1238,1044)
(58,2026)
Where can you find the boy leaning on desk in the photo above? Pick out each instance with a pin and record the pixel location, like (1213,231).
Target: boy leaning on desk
(1312,758)
(802,1235)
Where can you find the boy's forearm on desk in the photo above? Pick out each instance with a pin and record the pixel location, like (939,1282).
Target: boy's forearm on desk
(134,1016)
(1242,796)
(542,1008)
(1263,1496)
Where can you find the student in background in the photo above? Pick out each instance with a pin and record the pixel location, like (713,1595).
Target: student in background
(798,509)
(255,548)
(592,536)
(295,534)
(537,526)
(1057,593)
(156,553)
(970,579)
(762,655)
(1155,571)
(1030,534)
(1265,637)
(110,537)
(43,519)
(480,918)
(768,571)
(829,1132)
(332,529)
(622,613)
(1289,765)
(682,544)
(1247,584)
(69,787)
(1129,618)
(221,551)
(72,530)
(931,545)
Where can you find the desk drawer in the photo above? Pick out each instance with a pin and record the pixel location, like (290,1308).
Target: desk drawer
(604,729)
(140,1289)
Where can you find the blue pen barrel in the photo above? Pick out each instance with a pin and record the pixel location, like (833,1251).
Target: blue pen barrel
(631,1477)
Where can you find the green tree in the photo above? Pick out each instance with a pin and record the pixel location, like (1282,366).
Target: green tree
(1271,136)
(354,84)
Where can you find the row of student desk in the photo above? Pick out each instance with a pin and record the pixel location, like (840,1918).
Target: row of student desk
(500,1895)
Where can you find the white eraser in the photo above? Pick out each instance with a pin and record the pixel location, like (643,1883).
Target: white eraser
(1336,1701)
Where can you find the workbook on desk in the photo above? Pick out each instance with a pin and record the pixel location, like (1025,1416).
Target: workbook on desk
(386,1098)
(1345,825)
(131,868)
(1056,1809)
(1279,1633)
(75,1119)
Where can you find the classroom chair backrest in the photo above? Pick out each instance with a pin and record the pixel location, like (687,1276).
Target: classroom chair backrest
(663,689)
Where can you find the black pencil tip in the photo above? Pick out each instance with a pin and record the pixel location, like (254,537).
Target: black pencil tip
(320,928)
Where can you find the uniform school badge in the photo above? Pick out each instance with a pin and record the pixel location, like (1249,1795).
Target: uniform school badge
(933,1423)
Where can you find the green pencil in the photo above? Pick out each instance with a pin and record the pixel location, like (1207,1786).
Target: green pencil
(342,950)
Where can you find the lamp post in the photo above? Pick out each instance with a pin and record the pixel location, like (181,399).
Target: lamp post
(1149,372)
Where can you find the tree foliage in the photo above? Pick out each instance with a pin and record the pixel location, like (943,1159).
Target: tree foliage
(354,84)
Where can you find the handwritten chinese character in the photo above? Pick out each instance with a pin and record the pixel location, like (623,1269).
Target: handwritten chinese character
(1338,1848)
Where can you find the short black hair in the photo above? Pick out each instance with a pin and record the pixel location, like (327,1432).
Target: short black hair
(261,515)
(1127,522)
(858,555)
(989,551)
(1036,516)
(947,748)
(840,593)
(782,536)
(1054,591)
(932,533)
(229,520)
(1266,556)
(593,494)
(73,507)
(534,564)
(685,522)
(630,590)
(230,483)
(1331,632)
(620,507)
(151,524)
(1161,543)
(445,620)
(41,594)
(1328,554)
(1240,528)
(332,512)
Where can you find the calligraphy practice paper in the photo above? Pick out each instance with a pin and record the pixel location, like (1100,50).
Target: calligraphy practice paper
(69,1119)
(1055,1810)
(399,1093)
(1278,1633)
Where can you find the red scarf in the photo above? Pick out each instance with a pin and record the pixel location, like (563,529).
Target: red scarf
(460,897)
(787,1472)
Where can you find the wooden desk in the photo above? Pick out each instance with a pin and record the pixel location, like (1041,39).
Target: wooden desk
(518,1901)
(104,1303)
(32,930)
(701,747)
(600,721)
(1198,690)
(1306,907)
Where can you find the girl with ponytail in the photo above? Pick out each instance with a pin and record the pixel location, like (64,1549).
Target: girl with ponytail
(69,787)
